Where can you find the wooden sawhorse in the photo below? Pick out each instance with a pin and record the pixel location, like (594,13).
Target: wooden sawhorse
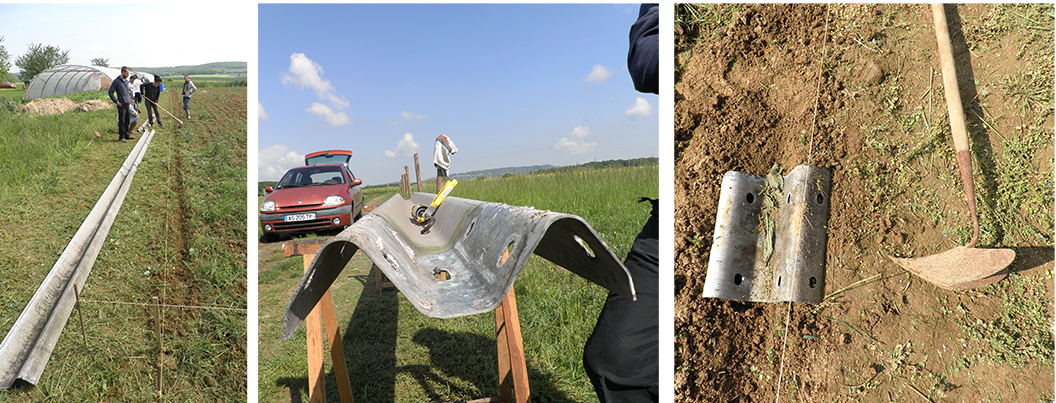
(513,373)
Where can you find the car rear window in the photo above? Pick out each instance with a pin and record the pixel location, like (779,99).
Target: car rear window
(312,176)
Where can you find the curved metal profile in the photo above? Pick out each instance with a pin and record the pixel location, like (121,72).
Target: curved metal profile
(27,346)
(467,242)
(740,269)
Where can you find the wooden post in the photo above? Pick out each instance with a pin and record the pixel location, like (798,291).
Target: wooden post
(407,174)
(417,172)
(439,180)
(157,335)
(513,373)
(325,307)
(77,293)
(379,279)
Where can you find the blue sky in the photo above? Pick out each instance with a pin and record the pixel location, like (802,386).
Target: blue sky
(89,31)
(511,85)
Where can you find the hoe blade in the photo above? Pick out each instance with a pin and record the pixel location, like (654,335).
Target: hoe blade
(960,268)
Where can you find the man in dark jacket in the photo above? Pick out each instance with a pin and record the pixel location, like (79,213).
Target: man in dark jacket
(124,104)
(622,355)
(152,91)
(643,58)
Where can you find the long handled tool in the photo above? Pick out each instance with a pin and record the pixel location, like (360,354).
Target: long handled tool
(962,267)
(166,111)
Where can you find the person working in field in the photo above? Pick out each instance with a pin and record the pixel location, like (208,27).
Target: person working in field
(152,91)
(121,96)
(443,147)
(622,355)
(188,89)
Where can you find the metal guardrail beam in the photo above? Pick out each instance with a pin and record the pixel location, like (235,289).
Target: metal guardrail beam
(466,242)
(739,267)
(27,347)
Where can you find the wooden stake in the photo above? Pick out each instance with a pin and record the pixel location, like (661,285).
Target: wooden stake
(417,172)
(316,376)
(77,294)
(513,373)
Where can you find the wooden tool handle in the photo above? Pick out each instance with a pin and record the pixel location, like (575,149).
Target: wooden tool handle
(953,104)
(949,80)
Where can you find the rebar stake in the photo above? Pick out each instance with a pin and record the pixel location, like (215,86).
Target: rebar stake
(157,335)
(77,294)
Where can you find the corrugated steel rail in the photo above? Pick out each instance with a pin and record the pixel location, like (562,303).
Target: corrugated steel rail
(467,242)
(27,347)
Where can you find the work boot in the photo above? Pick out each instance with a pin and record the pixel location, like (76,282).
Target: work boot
(130,138)
(122,140)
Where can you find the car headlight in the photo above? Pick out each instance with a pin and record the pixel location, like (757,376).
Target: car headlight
(334,200)
(268,205)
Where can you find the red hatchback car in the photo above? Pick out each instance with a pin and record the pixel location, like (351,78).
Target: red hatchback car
(322,195)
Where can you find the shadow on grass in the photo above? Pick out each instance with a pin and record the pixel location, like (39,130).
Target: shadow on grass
(460,363)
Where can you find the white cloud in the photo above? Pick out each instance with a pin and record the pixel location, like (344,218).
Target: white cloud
(304,72)
(261,114)
(598,74)
(274,161)
(332,117)
(575,144)
(405,147)
(641,109)
(407,116)
(97,49)
(411,116)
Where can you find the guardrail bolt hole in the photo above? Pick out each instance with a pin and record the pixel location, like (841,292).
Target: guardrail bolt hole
(737,279)
(750,198)
(779,281)
(583,244)
(821,198)
(441,274)
(506,255)
(813,282)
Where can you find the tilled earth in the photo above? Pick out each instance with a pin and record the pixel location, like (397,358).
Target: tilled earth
(857,89)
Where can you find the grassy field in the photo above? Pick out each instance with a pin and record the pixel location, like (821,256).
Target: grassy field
(397,354)
(180,235)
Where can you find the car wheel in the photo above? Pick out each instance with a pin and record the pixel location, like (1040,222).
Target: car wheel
(270,237)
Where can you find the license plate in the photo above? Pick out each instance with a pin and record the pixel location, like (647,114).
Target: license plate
(300,217)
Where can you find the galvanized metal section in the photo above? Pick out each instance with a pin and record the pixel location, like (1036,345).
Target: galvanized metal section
(739,268)
(27,346)
(467,241)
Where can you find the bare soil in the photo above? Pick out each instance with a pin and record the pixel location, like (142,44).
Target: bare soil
(821,85)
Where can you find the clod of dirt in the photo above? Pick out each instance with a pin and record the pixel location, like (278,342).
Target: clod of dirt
(872,73)
(53,106)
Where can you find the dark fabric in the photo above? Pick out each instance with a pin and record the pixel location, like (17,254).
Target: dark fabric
(150,91)
(123,117)
(120,86)
(152,113)
(621,356)
(643,58)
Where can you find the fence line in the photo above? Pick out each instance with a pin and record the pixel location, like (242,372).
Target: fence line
(219,308)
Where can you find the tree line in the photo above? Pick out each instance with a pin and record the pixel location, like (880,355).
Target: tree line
(41,57)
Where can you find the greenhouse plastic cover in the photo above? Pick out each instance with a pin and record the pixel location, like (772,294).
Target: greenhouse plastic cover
(70,78)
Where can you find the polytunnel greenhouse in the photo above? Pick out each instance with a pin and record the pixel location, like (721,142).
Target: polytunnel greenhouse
(69,79)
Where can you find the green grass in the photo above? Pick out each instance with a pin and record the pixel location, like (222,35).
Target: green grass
(54,170)
(397,354)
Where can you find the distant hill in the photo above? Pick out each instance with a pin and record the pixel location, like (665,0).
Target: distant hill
(532,169)
(230,68)
(499,172)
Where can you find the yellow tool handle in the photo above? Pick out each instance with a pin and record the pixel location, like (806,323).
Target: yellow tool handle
(444,192)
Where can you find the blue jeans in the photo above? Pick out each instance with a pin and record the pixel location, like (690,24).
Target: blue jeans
(186,103)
